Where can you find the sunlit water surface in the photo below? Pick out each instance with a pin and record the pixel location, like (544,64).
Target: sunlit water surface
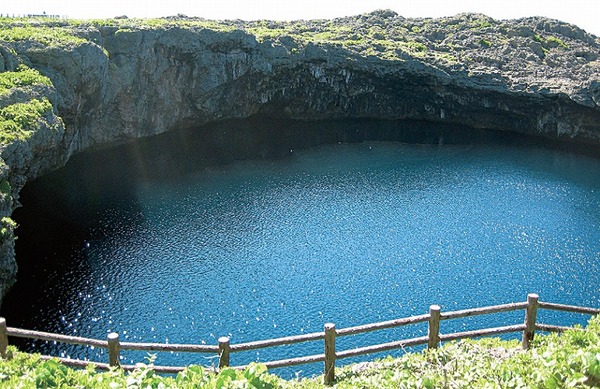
(349,234)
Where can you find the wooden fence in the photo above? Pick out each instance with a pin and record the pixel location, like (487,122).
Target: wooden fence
(224,349)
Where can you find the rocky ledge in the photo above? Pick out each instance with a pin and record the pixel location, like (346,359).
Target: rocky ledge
(66,86)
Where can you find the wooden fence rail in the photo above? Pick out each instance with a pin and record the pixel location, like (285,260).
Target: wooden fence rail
(224,349)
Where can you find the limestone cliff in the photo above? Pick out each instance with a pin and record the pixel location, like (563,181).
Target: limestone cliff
(122,79)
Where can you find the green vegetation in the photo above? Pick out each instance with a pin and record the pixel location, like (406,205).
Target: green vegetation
(550,41)
(18,121)
(553,41)
(68,26)
(23,77)
(385,42)
(556,361)
(381,34)
(480,23)
(5,187)
(7,227)
(46,35)
(570,360)
(485,43)
(29,371)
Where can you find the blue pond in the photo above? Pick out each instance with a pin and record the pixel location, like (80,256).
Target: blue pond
(344,233)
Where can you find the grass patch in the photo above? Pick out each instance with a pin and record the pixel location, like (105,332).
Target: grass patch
(154,23)
(18,121)
(46,35)
(556,42)
(550,42)
(23,77)
(29,371)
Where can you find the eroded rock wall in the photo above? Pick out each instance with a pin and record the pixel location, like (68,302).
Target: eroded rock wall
(133,83)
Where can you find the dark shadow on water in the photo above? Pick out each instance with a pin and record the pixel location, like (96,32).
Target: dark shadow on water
(93,180)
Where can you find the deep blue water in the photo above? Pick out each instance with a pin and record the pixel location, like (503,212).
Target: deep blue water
(345,233)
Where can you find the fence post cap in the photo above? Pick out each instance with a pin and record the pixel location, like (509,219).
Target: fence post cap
(113,336)
(435,307)
(224,339)
(533,296)
(329,326)
(2,321)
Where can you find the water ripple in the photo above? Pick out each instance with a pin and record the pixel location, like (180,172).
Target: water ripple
(350,234)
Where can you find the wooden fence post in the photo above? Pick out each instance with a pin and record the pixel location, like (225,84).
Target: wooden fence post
(113,349)
(3,338)
(434,326)
(530,316)
(223,351)
(329,354)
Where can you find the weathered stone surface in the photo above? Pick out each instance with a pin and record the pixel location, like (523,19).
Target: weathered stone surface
(533,76)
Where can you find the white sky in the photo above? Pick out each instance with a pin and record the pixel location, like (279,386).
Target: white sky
(584,13)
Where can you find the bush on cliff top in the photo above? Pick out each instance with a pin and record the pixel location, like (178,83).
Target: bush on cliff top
(18,121)
(555,361)
(21,78)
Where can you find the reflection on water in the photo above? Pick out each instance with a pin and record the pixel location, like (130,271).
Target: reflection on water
(345,233)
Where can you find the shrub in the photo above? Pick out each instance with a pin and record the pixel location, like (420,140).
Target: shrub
(18,121)
(22,77)
(7,227)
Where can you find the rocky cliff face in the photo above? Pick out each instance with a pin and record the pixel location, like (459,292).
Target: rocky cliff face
(125,79)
